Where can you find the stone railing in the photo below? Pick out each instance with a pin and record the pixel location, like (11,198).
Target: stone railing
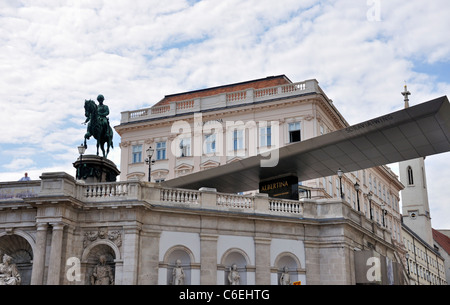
(234,201)
(285,206)
(221,101)
(105,191)
(179,196)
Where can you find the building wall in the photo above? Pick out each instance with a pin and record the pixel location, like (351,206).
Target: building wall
(315,113)
(425,265)
(142,231)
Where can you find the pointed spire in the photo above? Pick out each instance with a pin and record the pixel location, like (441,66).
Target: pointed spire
(405,94)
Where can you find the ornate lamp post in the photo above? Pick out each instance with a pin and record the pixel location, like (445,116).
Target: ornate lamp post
(369,196)
(81,151)
(357,194)
(340,173)
(150,152)
(407,262)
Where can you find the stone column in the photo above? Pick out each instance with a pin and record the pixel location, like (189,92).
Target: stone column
(262,261)
(208,259)
(70,252)
(37,274)
(130,254)
(54,269)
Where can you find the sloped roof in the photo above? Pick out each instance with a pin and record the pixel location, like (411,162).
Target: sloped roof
(442,239)
(270,81)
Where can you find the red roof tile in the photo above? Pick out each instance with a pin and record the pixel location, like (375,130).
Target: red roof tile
(267,82)
(442,239)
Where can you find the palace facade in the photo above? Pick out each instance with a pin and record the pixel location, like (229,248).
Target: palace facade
(58,230)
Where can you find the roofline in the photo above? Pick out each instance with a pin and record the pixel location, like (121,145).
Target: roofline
(230,85)
(430,247)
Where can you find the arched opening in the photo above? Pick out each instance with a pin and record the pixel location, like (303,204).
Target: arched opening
(237,258)
(21,252)
(287,269)
(99,272)
(179,259)
(410,176)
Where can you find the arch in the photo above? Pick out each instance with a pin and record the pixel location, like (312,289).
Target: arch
(92,253)
(20,246)
(185,256)
(169,253)
(228,254)
(287,258)
(238,257)
(87,250)
(291,262)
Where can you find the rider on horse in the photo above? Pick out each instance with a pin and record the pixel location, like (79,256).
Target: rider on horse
(98,124)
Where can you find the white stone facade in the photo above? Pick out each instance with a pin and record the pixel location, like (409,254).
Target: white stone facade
(142,229)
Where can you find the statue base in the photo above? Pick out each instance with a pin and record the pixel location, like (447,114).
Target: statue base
(94,169)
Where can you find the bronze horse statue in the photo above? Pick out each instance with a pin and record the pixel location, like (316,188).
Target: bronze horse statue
(98,126)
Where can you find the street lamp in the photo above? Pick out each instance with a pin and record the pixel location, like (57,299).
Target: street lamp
(369,196)
(407,261)
(340,173)
(150,152)
(81,151)
(357,194)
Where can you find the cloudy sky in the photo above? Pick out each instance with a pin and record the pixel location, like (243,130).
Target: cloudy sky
(54,54)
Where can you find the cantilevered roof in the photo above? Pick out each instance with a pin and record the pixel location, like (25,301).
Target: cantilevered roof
(414,132)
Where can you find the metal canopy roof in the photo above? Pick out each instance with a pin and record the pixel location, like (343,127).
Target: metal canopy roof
(414,132)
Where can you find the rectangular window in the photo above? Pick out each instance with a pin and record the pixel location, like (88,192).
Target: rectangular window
(210,141)
(185,147)
(137,154)
(160,150)
(265,136)
(238,140)
(294,132)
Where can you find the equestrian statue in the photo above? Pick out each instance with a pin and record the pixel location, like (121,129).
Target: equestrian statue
(98,127)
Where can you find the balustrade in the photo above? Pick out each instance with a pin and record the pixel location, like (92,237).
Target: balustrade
(179,196)
(249,96)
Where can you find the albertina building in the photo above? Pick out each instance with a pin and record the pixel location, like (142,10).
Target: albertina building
(140,230)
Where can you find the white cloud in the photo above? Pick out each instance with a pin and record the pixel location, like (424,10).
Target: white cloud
(55,54)
(17,164)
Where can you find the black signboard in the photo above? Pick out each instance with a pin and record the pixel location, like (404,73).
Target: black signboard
(284,188)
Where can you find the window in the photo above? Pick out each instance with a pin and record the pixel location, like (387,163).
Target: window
(410,176)
(265,136)
(210,142)
(160,150)
(294,132)
(185,147)
(238,140)
(137,154)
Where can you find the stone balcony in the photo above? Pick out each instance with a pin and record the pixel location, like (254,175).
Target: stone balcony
(231,99)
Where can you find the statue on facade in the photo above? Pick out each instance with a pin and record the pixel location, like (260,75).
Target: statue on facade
(285,278)
(178,274)
(98,124)
(102,274)
(233,277)
(9,275)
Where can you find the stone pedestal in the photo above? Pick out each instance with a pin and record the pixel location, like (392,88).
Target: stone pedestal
(94,169)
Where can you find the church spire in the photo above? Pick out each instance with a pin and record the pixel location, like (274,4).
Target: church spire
(405,94)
